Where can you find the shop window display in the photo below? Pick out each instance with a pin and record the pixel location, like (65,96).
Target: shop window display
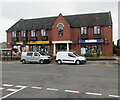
(94,49)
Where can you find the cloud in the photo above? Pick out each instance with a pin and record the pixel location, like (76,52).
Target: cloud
(6,23)
(11,12)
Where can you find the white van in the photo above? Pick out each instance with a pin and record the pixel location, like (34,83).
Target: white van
(69,57)
(38,57)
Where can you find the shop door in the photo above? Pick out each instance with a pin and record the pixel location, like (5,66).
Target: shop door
(62,47)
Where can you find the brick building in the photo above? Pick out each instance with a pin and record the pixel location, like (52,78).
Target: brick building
(79,33)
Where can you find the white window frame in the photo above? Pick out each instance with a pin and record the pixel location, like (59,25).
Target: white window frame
(33,33)
(83,30)
(43,32)
(14,34)
(96,29)
(23,33)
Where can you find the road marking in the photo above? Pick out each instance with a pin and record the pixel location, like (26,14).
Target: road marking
(20,86)
(12,89)
(1,88)
(72,91)
(36,87)
(8,85)
(114,96)
(93,93)
(13,92)
(52,89)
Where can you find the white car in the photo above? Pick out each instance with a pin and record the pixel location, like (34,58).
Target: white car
(69,57)
(38,57)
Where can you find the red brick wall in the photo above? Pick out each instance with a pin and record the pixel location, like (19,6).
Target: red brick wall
(75,36)
(107,47)
(9,39)
(90,32)
(39,35)
(66,32)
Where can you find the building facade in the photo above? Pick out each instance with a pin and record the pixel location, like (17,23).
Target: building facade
(78,33)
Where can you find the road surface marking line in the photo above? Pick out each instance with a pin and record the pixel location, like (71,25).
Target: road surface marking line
(36,87)
(52,89)
(13,92)
(114,96)
(12,89)
(1,88)
(8,85)
(94,93)
(20,86)
(72,91)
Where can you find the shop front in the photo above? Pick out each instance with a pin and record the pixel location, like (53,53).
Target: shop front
(43,46)
(61,46)
(91,46)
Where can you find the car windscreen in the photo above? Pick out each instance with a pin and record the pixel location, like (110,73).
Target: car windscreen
(71,55)
(76,54)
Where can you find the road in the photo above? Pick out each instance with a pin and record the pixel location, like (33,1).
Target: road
(59,81)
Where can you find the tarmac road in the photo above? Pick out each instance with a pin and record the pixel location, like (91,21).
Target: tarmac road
(91,80)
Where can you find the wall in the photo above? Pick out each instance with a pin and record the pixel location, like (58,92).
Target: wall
(66,32)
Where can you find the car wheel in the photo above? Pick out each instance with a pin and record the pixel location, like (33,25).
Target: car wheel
(24,61)
(41,61)
(78,62)
(59,61)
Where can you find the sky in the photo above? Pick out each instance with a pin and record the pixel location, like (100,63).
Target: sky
(11,11)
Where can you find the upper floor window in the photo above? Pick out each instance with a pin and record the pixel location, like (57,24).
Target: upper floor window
(23,33)
(43,32)
(60,29)
(33,33)
(83,30)
(96,29)
(14,34)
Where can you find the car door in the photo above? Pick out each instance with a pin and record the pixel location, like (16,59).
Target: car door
(36,57)
(71,57)
(29,56)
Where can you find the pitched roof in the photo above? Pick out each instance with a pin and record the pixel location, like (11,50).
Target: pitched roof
(93,19)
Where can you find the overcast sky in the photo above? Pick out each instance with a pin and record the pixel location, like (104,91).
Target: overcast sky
(11,12)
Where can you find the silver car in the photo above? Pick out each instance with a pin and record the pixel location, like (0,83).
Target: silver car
(38,57)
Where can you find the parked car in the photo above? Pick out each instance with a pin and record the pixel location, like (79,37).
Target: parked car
(35,57)
(69,57)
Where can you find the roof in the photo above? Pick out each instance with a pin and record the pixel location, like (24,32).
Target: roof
(88,20)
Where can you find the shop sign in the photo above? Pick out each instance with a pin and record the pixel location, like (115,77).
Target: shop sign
(20,43)
(91,41)
(38,42)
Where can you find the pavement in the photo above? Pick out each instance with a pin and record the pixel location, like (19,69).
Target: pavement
(117,61)
(89,62)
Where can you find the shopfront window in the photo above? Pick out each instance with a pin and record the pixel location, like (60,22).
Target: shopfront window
(92,48)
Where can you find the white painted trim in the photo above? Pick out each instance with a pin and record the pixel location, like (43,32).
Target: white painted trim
(60,23)
(55,42)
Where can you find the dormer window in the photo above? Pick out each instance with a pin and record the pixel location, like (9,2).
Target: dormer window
(83,30)
(60,29)
(14,34)
(96,29)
